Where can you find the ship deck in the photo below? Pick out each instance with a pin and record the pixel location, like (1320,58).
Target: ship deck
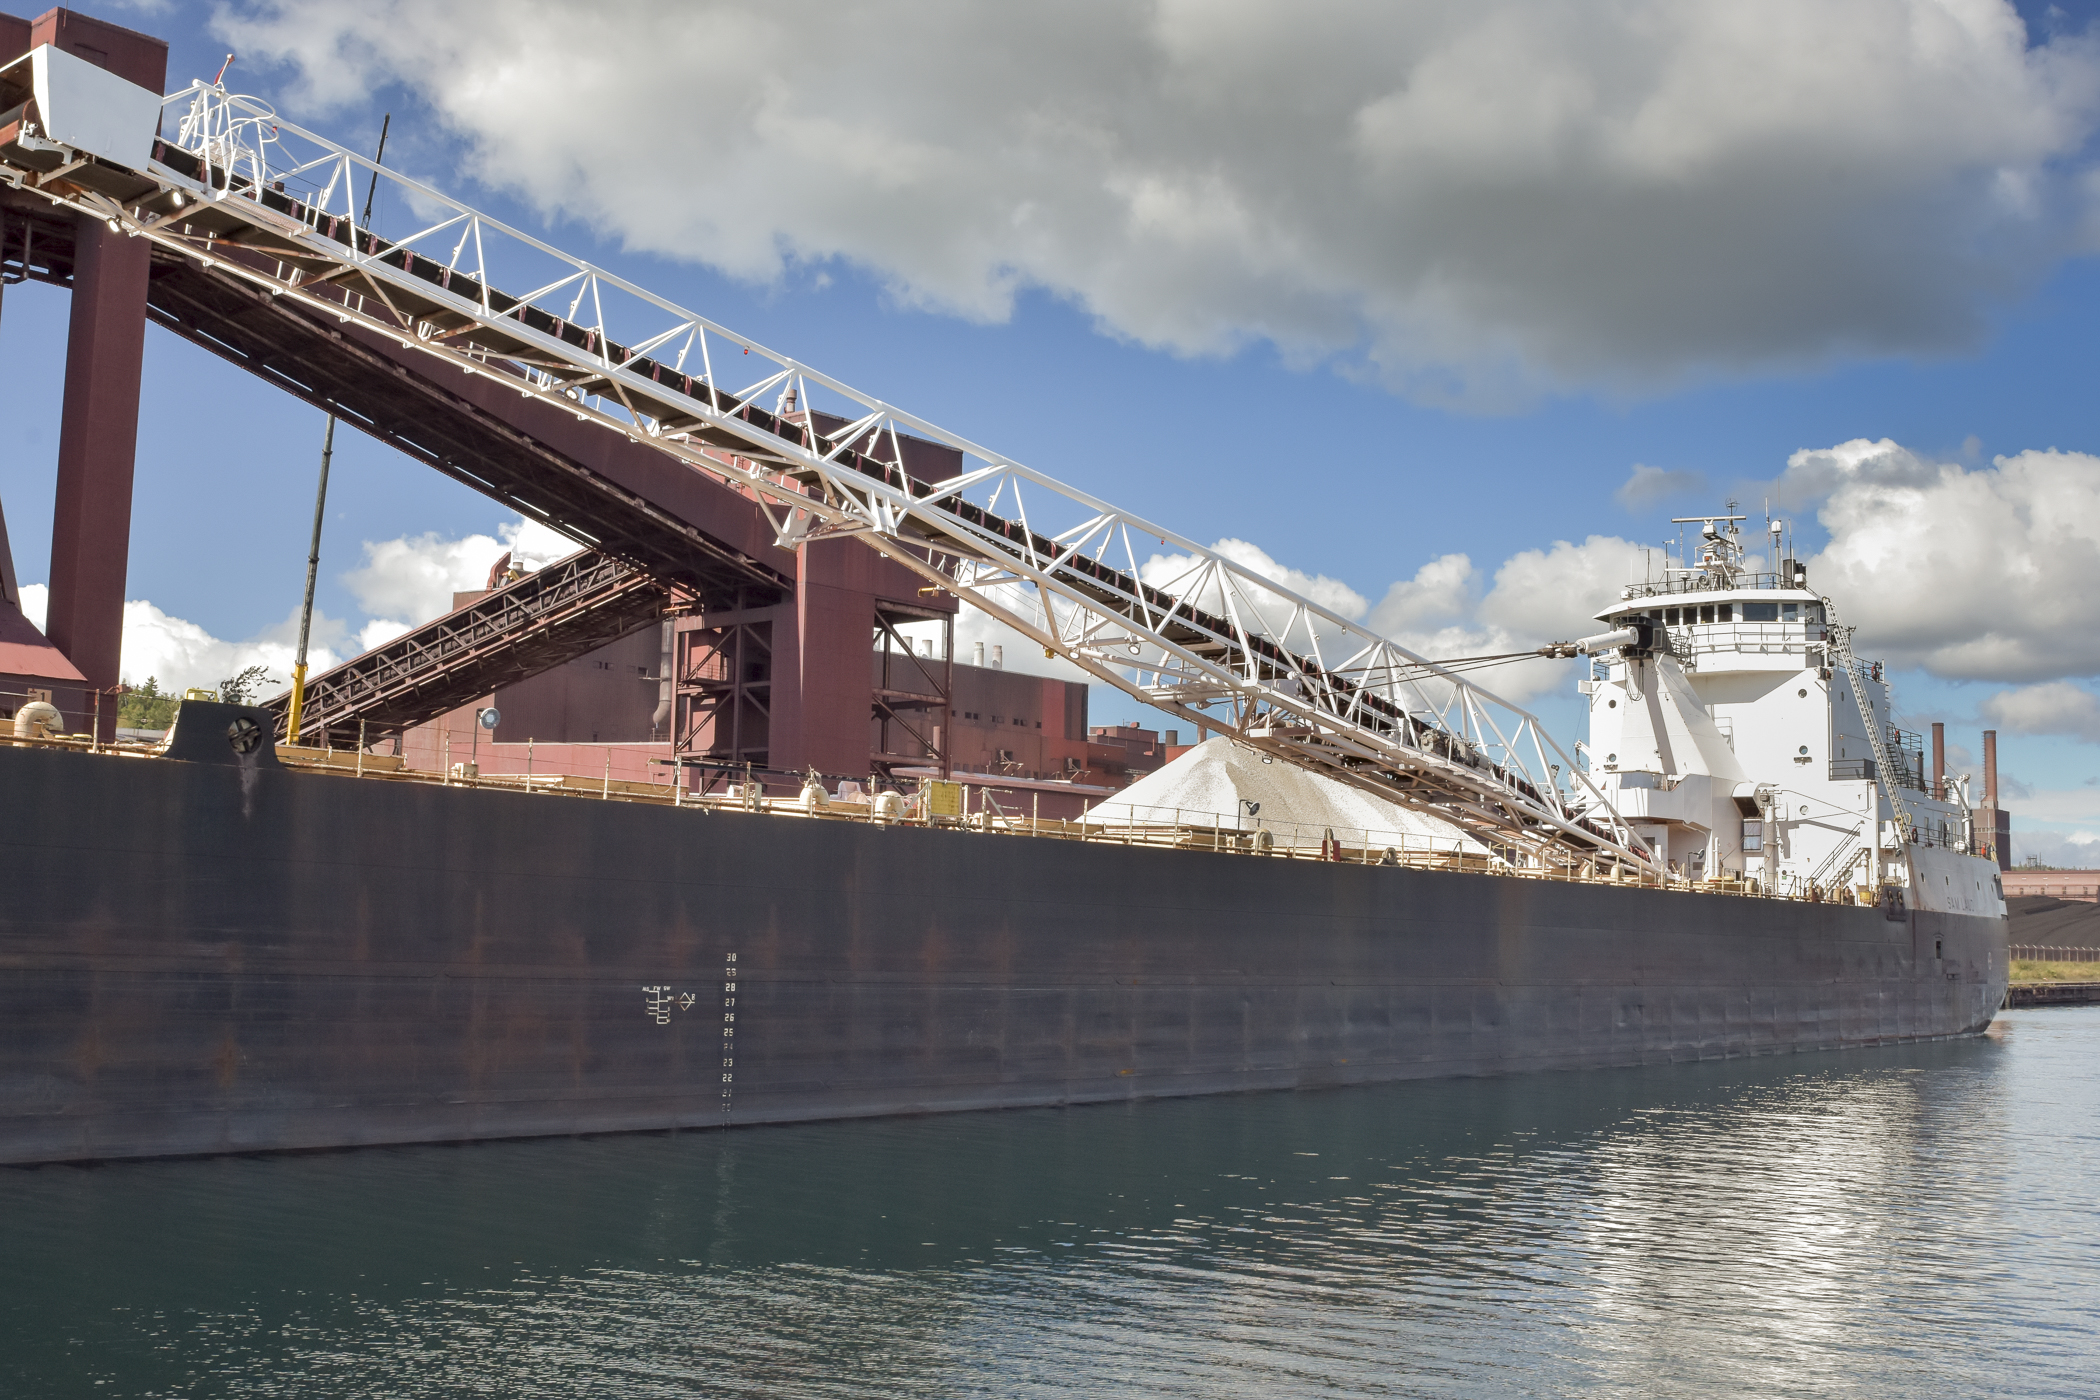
(1180,829)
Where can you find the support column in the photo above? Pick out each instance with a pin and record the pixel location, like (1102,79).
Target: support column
(97,440)
(105,354)
(835,626)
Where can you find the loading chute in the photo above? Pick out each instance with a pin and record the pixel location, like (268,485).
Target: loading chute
(1162,618)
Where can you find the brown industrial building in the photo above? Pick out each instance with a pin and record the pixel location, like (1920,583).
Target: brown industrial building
(703,693)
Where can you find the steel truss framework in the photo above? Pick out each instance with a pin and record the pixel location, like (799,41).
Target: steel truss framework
(569,608)
(724,687)
(1199,635)
(927,719)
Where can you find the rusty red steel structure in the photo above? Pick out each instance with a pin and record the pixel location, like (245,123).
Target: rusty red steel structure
(105,356)
(1296,679)
(551,615)
(693,538)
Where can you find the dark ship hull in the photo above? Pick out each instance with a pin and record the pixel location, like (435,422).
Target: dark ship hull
(196,957)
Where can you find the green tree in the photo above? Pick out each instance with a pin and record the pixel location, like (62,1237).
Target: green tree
(146,706)
(243,686)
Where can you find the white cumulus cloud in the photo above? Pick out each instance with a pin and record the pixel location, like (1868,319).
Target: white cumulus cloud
(1648,486)
(1472,200)
(1551,594)
(2057,707)
(1990,573)
(410,580)
(402,584)
(2067,850)
(407,581)
(178,653)
(1445,611)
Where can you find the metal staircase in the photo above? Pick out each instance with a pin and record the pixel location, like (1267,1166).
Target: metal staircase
(257,200)
(1837,867)
(1839,647)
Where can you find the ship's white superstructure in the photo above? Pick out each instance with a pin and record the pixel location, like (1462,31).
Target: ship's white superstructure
(1733,735)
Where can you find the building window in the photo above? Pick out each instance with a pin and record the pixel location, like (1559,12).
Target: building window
(1753,836)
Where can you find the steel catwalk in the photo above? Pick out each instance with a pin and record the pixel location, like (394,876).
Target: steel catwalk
(202,957)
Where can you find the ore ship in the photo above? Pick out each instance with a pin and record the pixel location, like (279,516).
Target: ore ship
(262,933)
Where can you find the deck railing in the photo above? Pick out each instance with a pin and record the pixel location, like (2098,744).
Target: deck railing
(1185,829)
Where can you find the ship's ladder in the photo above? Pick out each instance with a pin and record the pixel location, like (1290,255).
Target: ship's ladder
(1199,634)
(1839,648)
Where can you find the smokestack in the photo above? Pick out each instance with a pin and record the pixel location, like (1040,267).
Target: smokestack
(998,658)
(980,653)
(1990,768)
(1939,761)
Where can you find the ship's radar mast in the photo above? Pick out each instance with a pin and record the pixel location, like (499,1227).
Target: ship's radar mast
(1719,558)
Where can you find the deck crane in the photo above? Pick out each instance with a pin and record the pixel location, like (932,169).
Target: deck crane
(232,186)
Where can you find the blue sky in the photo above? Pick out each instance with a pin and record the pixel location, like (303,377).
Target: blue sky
(1314,449)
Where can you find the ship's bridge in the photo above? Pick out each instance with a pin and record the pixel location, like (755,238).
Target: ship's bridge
(1713,611)
(1732,630)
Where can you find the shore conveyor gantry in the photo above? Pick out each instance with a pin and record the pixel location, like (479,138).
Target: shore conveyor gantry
(233,187)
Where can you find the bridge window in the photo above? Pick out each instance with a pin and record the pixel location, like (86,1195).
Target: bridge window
(1706,612)
(1670,616)
(1753,837)
(1789,612)
(1726,612)
(1760,612)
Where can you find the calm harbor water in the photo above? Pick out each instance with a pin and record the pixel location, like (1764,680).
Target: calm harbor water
(1904,1222)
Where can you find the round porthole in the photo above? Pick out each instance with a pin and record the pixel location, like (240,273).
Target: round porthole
(1804,809)
(1611,758)
(1803,692)
(1804,750)
(1611,704)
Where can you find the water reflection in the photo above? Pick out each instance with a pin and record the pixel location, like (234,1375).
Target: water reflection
(1882,1223)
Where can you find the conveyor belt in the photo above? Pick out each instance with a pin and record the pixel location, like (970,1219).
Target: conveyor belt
(565,610)
(1293,678)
